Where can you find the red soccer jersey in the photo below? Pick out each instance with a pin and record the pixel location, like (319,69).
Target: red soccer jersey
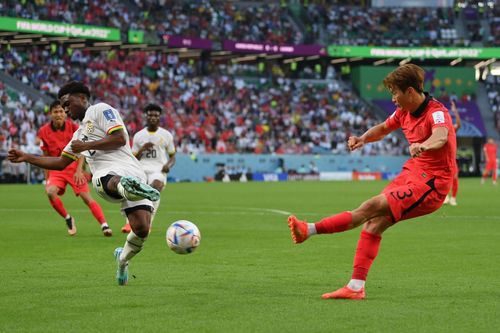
(417,127)
(53,141)
(490,150)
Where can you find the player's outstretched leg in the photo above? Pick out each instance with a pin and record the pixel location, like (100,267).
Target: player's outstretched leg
(345,293)
(132,189)
(122,270)
(70,223)
(298,229)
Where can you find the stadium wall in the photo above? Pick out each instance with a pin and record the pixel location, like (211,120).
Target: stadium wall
(206,166)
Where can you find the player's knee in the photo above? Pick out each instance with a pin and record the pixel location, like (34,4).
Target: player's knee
(157,185)
(51,193)
(372,207)
(377,225)
(141,231)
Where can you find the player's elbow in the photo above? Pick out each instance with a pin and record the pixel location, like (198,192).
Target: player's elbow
(441,142)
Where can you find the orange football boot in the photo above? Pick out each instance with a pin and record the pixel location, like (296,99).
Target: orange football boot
(345,293)
(298,229)
(126,228)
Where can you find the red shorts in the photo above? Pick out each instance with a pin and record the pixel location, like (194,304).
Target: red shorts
(491,166)
(409,196)
(61,179)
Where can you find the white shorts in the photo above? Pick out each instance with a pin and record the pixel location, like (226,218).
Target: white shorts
(96,181)
(156,175)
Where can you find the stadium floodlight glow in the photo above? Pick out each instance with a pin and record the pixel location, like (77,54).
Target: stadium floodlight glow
(221,53)
(27,36)
(21,41)
(356,59)
(58,38)
(189,54)
(288,61)
(314,57)
(456,61)
(404,61)
(107,43)
(379,62)
(338,61)
(247,58)
(77,45)
(273,56)
(133,46)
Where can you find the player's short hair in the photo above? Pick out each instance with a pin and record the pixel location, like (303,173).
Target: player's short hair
(152,107)
(74,87)
(403,77)
(54,104)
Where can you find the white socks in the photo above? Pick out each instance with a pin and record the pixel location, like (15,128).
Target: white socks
(356,285)
(156,204)
(132,246)
(311,229)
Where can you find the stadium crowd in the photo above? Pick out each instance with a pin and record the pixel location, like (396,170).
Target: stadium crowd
(217,113)
(272,22)
(215,20)
(493,89)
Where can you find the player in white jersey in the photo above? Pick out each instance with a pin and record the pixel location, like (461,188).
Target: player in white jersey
(117,175)
(151,145)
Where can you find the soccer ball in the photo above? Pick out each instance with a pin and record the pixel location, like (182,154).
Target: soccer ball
(183,237)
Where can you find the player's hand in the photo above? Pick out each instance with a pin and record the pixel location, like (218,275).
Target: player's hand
(416,149)
(16,156)
(78,146)
(165,169)
(79,177)
(147,145)
(355,142)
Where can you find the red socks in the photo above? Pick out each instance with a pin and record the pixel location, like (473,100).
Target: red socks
(97,212)
(59,207)
(454,187)
(335,223)
(366,252)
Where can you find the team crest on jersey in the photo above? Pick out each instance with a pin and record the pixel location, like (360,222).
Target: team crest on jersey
(89,127)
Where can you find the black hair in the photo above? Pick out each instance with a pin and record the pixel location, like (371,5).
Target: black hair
(152,107)
(54,104)
(74,87)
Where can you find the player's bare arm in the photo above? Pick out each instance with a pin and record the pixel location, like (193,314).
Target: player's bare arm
(375,133)
(437,140)
(45,171)
(144,147)
(45,162)
(168,166)
(113,141)
(79,175)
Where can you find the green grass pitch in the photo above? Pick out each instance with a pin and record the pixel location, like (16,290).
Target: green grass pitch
(438,273)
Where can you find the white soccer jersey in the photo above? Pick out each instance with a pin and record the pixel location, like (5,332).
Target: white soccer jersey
(153,159)
(101,120)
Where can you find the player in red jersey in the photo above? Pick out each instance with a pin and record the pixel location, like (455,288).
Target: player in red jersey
(490,156)
(419,189)
(54,136)
(452,200)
